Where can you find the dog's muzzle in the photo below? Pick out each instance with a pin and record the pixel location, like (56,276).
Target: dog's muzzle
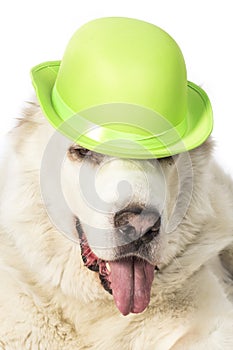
(129,275)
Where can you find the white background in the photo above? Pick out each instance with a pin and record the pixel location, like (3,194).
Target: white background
(35,31)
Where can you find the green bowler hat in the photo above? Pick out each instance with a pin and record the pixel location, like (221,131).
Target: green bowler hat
(121,89)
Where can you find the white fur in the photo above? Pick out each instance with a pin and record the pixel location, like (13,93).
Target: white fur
(49,300)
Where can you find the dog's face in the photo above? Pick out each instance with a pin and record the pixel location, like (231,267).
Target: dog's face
(130,217)
(124,210)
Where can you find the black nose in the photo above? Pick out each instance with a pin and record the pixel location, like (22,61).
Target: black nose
(137,224)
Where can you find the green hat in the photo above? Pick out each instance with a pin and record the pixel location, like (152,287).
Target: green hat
(121,89)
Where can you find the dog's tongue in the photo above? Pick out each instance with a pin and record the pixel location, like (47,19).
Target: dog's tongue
(131,281)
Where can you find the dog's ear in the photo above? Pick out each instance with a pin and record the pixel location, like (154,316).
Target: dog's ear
(202,154)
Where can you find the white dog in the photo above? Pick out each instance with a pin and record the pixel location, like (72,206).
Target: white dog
(104,253)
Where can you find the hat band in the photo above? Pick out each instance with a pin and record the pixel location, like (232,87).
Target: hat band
(85,128)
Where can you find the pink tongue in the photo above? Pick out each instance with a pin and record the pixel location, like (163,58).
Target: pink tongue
(131,281)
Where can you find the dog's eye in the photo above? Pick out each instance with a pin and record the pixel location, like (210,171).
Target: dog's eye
(82,152)
(79,152)
(168,160)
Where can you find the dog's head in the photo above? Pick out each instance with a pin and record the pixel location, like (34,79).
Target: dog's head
(127,213)
(131,218)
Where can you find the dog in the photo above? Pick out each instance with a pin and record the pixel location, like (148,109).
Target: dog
(100,252)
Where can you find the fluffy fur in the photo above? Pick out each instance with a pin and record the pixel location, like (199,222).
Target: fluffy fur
(50,300)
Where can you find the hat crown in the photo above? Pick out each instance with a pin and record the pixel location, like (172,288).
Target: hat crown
(124,60)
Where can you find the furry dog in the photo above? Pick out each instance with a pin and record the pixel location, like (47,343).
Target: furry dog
(104,253)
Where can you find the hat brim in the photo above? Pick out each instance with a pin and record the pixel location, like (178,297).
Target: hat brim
(199,119)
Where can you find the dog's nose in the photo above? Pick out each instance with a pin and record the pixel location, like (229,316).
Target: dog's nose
(137,224)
